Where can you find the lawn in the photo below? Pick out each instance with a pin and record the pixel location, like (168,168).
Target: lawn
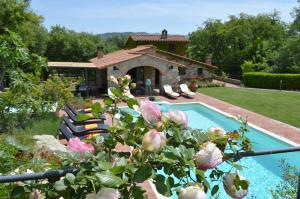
(47,124)
(283,106)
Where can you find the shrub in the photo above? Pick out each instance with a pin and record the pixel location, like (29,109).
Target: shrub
(271,80)
(287,187)
(249,66)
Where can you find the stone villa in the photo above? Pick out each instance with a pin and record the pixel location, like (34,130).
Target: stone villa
(160,58)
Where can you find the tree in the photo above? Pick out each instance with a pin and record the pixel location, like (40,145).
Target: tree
(243,37)
(288,57)
(295,25)
(67,45)
(14,54)
(17,16)
(114,43)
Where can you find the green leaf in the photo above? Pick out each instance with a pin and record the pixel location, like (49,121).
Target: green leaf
(131,102)
(128,118)
(96,108)
(161,186)
(214,190)
(117,92)
(82,117)
(177,136)
(70,177)
(138,192)
(60,185)
(18,193)
(117,169)
(108,179)
(107,101)
(201,178)
(104,165)
(143,173)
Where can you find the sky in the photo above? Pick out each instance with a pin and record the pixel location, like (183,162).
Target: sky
(177,16)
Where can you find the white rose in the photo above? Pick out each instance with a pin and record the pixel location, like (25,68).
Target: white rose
(208,157)
(192,192)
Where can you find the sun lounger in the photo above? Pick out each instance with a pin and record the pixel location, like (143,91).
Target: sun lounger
(65,132)
(82,111)
(87,110)
(73,117)
(85,129)
(169,92)
(186,91)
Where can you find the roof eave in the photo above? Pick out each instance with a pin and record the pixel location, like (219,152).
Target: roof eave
(187,59)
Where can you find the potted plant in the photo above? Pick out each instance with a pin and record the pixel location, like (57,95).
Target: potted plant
(194,85)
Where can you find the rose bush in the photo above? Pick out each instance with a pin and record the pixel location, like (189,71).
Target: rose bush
(158,146)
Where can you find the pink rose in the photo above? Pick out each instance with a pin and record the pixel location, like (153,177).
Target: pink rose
(150,112)
(153,140)
(179,117)
(208,157)
(76,145)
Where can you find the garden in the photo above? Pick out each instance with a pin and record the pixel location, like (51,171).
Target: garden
(162,149)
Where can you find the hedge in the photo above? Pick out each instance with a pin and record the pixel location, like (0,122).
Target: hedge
(271,80)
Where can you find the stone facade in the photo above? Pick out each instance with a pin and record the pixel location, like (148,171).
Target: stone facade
(168,72)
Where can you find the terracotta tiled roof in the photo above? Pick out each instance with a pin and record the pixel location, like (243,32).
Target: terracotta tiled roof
(119,56)
(187,59)
(170,38)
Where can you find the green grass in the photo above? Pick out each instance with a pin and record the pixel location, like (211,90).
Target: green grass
(47,124)
(282,106)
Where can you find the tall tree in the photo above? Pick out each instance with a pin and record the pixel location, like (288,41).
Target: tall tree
(242,37)
(295,25)
(67,45)
(14,54)
(17,16)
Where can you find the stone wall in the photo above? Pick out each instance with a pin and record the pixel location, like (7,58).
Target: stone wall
(167,75)
(191,70)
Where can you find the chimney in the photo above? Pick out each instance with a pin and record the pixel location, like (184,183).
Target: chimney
(100,52)
(208,59)
(164,34)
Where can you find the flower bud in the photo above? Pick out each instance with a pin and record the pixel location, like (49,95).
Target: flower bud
(208,157)
(150,112)
(178,117)
(108,193)
(76,145)
(229,186)
(113,79)
(192,192)
(217,131)
(153,140)
(128,77)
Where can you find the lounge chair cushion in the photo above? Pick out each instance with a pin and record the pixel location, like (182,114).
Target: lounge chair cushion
(184,88)
(169,91)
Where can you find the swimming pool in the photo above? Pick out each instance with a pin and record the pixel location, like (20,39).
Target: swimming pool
(263,172)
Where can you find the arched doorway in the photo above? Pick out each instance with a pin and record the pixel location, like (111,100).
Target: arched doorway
(140,74)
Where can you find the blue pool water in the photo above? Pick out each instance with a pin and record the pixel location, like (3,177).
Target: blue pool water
(263,172)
